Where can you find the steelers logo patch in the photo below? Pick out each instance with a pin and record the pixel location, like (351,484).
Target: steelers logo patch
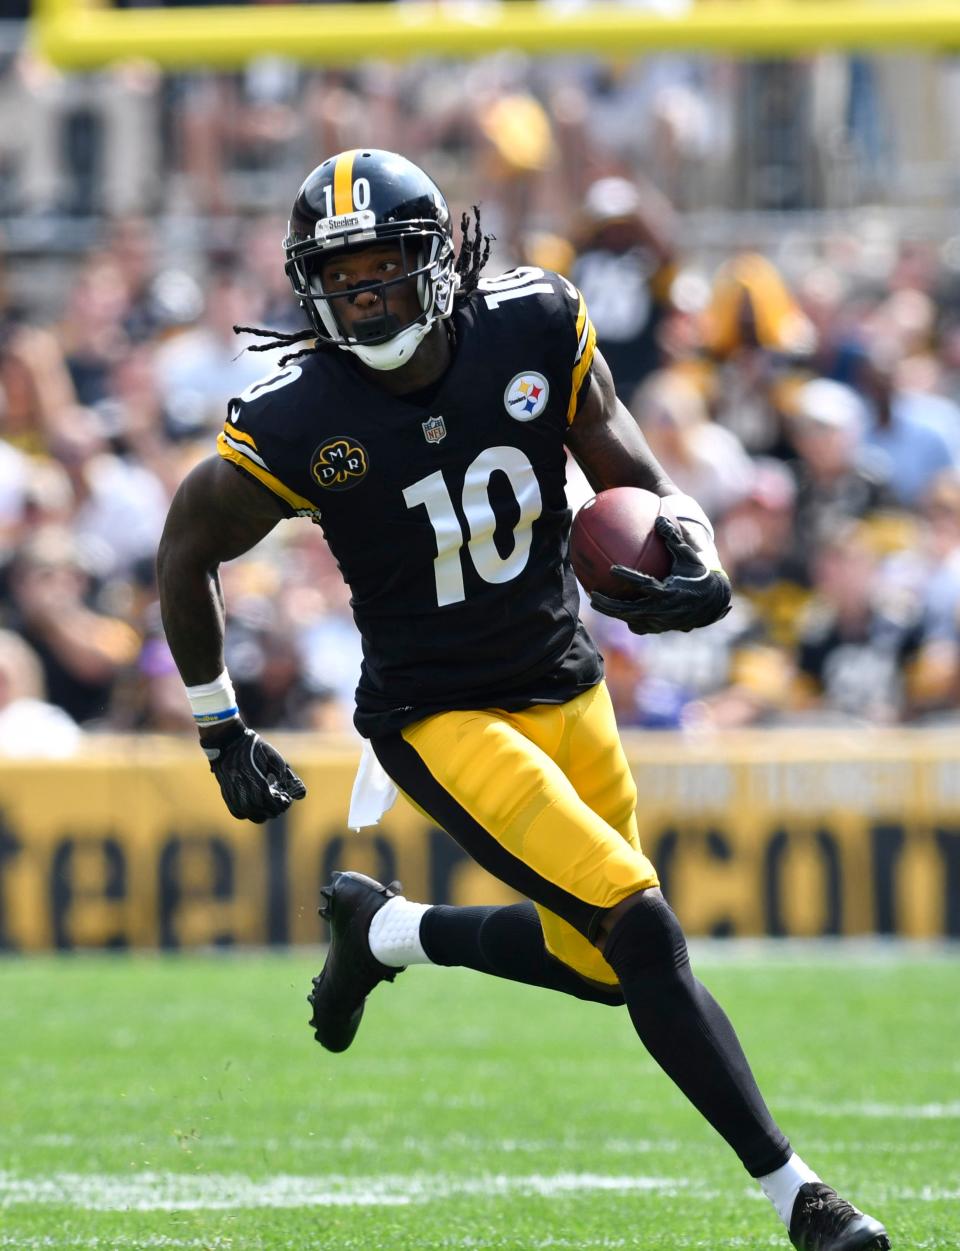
(526,396)
(339,464)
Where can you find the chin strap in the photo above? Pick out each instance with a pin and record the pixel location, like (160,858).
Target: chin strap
(396,351)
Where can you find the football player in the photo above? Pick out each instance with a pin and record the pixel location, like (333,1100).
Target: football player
(424,426)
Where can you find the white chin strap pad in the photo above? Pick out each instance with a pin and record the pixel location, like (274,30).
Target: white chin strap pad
(396,351)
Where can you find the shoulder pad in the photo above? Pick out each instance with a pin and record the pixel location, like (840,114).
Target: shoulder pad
(272,394)
(553,303)
(525,284)
(262,423)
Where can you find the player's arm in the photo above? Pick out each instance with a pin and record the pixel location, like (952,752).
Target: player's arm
(608,444)
(610,448)
(218,514)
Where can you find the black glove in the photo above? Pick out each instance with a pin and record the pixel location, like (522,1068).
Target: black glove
(255,780)
(690,596)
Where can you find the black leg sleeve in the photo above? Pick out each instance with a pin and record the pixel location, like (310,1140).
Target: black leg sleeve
(504,942)
(688,1033)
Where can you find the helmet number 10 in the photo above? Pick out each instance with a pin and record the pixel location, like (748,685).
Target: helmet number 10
(432,492)
(361,196)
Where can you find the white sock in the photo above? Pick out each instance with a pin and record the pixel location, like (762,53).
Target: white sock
(781,1186)
(395,933)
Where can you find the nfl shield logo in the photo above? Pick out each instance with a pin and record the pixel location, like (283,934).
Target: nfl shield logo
(434,430)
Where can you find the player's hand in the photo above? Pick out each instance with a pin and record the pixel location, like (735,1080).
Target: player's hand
(690,596)
(255,780)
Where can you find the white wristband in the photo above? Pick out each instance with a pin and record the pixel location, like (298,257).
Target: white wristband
(686,508)
(213,701)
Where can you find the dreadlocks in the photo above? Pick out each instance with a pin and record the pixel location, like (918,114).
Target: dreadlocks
(473,255)
(278,339)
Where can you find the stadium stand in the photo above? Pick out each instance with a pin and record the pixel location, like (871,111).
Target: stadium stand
(773,255)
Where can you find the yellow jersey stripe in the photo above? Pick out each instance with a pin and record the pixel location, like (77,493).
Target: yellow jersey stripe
(297,502)
(240,435)
(582,368)
(343,183)
(581,319)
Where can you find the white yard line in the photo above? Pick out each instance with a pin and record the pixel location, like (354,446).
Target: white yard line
(823,952)
(431,1148)
(111,1242)
(167,1192)
(874,1110)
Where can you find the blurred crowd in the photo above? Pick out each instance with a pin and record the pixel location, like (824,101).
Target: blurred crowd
(809,396)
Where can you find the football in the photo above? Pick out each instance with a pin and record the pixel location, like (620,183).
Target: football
(616,528)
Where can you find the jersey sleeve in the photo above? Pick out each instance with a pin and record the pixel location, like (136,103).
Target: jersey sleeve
(545,310)
(252,440)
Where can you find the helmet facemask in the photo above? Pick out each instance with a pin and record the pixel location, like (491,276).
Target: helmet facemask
(388,341)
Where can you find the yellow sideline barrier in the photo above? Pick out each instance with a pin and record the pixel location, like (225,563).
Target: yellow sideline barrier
(784,833)
(78,34)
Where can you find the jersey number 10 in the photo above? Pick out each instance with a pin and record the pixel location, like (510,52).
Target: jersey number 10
(432,492)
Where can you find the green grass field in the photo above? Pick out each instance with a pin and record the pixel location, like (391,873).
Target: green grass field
(152,1102)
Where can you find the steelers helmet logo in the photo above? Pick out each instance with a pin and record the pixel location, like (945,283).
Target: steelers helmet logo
(339,464)
(526,396)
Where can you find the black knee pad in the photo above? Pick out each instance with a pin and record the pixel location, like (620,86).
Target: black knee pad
(646,940)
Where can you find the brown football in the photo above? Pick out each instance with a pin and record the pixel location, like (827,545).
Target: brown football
(616,528)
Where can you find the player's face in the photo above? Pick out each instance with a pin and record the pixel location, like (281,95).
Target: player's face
(369,309)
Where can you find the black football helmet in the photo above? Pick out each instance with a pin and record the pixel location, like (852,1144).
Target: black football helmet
(352,200)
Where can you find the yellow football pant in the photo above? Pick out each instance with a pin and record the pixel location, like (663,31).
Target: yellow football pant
(543,799)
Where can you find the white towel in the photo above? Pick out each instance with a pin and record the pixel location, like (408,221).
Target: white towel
(373,791)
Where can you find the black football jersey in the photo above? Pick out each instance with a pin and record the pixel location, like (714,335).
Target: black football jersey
(447,515)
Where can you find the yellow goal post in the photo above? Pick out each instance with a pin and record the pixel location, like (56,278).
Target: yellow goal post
(83,34)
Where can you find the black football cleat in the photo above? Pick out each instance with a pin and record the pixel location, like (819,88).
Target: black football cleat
(350,971)
(822,1221)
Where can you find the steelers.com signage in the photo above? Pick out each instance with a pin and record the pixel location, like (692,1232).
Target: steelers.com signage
(129,845)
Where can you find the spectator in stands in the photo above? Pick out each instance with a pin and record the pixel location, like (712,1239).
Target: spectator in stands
(119,503)
(14,480)
(147,697)
(160,295)
(29,725)
(259,247)
(702,457)
(757,540)
(856,643)
(91,331)
(35,386)
(757,339)
(204,366)
(836,482)
(82,650)
(625,264)
(659,679)
(927,574)
(913,436)
(101,415)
